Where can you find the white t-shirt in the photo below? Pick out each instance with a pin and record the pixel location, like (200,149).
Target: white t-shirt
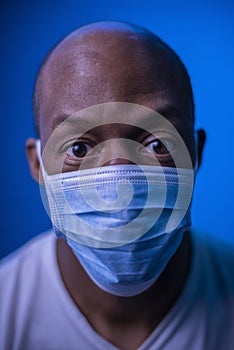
(37,313)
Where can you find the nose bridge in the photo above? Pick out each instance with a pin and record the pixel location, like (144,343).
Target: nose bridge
(117,151)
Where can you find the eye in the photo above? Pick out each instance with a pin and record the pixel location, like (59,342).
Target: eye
(159,148)
(79,149)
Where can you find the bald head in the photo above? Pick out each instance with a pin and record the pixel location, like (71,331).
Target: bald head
(108,61)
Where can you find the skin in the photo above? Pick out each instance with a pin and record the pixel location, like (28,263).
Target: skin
(103,63)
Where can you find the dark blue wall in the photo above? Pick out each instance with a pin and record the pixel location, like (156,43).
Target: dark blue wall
(201,32)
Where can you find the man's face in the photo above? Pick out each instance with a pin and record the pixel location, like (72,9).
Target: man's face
(117,83)
(114,67)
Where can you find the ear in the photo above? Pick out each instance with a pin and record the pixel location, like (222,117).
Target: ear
(32,157)
(201,142)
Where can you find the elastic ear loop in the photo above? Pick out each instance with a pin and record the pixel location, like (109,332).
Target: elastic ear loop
(38,149)
(44,173)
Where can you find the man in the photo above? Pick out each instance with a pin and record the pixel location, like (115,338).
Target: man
(75,293)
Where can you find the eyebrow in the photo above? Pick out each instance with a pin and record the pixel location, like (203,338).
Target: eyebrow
(173,114)
(71,121)
(57,121)
(168,110)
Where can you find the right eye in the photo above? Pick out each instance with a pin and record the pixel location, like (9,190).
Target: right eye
(79,149)
(158,148)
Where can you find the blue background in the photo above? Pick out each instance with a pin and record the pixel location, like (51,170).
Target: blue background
(202,33)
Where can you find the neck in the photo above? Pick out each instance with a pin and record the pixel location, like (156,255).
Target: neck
(111,315)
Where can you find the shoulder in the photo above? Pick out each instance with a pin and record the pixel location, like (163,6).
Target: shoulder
(216,260)
(28,249)
(23,263)
(27,279)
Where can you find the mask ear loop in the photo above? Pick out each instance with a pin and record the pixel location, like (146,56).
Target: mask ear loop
(38,149)
(196,139)
(45,176)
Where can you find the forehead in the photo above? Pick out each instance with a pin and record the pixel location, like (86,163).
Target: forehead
(107,67)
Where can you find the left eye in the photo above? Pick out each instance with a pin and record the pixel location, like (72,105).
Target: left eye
(79,149)
(158,147)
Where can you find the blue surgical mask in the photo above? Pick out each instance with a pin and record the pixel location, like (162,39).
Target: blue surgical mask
(123,222)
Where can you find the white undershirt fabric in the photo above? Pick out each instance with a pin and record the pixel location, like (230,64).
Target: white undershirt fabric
(37,313)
